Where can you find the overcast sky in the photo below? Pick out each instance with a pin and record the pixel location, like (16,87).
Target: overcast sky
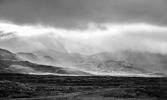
(78,13)
(85,26)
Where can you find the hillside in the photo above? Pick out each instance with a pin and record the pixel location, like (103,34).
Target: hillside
(28,57)
(5,54)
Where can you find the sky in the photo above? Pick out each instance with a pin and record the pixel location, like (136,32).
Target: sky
(84,26)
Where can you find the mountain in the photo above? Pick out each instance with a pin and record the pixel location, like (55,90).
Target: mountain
(49,59)
(35,59)
(11,63)
(102,56)
(66,59)
(86,65)
(119,66)
(111,67)
(28,57)
(5,54)
(145,60)
(8,66)
(25,67)
(127,63)
(159,74)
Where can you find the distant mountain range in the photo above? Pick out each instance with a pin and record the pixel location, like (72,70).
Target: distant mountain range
(112,67)
(29,57)
(145,60)
(46,62)
(49,59)
(11,63)
(7,55)
(119,66)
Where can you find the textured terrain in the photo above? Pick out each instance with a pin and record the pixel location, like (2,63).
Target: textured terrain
(47,87)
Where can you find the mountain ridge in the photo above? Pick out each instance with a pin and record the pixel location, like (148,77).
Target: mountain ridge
(86,66)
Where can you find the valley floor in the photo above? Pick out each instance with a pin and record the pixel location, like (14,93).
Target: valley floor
(48,87)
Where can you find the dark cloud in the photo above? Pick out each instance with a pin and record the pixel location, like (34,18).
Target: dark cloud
(77,13)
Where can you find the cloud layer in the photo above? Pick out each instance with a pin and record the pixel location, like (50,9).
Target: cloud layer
(96,38)
(87,27)
(78,13)
(64,25)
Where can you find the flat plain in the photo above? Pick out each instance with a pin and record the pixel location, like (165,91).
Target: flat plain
(49,87)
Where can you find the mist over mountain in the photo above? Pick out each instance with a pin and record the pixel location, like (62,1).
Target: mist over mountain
(85,33)
(49,59)
(7,55)
(146,60)
(83,49)
(119,66)
(9,63)
(62,58)
(28,57)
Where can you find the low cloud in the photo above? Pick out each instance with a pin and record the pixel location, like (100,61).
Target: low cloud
(140,37)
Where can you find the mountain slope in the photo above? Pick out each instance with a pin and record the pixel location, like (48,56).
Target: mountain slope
(28,57)
(64,58)
(119,66)
(31,68)
(145,60)
(5,54)
(49,60)
(102,56)
(10,63)
(111,67)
